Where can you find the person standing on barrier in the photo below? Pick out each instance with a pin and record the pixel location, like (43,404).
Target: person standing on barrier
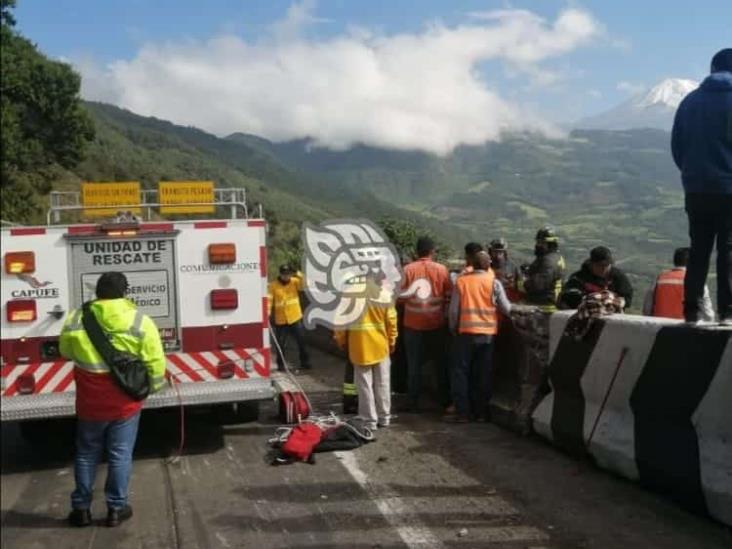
(424,321)
(284,299)
(665,298)
(108,417)
(473,320)
(701,145)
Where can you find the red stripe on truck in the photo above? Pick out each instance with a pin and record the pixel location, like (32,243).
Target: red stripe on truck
(265,312)
(261,369)
(52,371)
(210,368)
(30,347)
(255,223)
(267,357)
(65,382)
(82,229)
(27,231)
(163,227)
(215,338)
(238,370)
(31,370)
(210,225)
(263,261)
(184,368)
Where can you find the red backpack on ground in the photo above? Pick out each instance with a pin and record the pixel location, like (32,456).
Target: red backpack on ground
(303,438)
(293,407)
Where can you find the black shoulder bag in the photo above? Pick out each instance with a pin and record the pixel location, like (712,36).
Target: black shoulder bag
(128,371)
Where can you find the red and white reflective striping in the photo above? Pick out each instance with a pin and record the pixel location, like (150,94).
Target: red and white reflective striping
(50,377)
(188,367)
(58,377)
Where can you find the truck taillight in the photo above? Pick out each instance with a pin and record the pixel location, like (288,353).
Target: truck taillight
(26,384)
(22,310)
(20,262)
(225,369)
(224,299)
(221,253)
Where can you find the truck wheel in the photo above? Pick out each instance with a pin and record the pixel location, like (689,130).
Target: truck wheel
(231,413)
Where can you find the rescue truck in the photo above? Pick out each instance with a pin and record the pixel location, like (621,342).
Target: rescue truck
(203,282)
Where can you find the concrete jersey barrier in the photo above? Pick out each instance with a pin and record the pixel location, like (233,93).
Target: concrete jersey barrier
(650,399)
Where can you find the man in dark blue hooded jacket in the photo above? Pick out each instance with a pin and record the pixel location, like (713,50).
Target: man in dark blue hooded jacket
(701,144)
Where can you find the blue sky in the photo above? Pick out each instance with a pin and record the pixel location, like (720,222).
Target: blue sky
(633,42)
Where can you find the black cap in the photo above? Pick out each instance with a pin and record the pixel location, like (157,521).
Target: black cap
(285,269)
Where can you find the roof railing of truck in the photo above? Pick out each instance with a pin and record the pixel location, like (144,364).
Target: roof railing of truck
(233,199)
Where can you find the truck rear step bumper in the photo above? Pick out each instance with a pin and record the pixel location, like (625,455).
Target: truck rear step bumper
(53,405)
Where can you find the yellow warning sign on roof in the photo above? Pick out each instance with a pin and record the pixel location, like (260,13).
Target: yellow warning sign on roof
(184,197)
(124,195)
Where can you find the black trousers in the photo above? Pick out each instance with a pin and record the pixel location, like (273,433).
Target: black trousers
(710,219)
(283,333)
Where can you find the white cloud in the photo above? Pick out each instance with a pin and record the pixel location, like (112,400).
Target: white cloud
(406,91)
(631,88)
(595,94)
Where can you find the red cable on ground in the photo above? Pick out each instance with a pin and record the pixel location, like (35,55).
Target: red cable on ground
(174,382)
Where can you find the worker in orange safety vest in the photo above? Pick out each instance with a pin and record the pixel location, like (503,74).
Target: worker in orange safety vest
(665,298)
(474,321)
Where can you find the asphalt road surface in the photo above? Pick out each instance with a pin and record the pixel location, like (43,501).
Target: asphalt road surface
(423,483)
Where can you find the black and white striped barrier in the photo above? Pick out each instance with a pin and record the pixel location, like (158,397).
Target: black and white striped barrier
(650,399)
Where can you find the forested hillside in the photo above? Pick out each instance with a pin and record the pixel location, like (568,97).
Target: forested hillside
(620,189)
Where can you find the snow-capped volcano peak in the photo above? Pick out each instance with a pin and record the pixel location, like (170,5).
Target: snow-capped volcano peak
(669,92)
(653,108)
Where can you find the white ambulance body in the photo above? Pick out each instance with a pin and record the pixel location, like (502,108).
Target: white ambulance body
(204,283)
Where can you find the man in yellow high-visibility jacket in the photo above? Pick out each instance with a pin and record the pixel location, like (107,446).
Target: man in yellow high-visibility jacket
(369,342)
(284,300)
(107,416)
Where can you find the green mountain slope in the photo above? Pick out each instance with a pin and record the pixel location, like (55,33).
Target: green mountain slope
(128,147)
(614,188)
(619,189)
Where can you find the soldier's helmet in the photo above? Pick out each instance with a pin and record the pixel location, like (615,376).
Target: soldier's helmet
(547,234)
(498,244)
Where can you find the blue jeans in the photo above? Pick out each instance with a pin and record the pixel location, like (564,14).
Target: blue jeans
(297,330)
(710,218)
(92,437)
(471,374)
(421,346)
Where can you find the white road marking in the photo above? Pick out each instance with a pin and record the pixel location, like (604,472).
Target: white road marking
(412,533)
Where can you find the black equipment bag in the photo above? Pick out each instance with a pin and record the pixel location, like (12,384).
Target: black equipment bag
(128,371)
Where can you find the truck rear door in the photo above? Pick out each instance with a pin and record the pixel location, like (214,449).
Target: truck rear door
(146,258)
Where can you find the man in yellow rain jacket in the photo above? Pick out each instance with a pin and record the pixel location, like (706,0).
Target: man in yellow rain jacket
(369,342)
(284,300)
(107,416)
